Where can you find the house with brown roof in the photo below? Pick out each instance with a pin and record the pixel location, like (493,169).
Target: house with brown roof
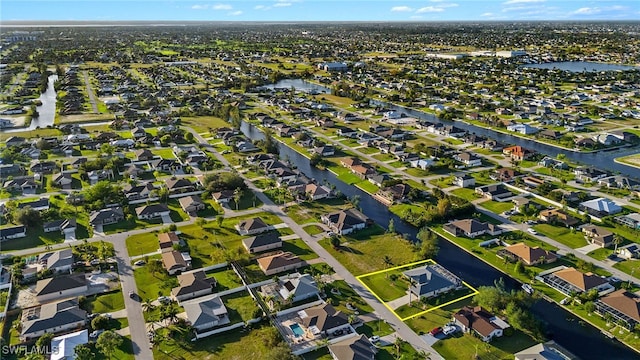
(569,280)
(252,226)
(168,241)
(622,305)
(354,348)
(323,320)
(530,255)
(597,235)
(191,204)
(558,216)
(223,197)
(518,153)
(471,228)
(392,194)
(280,262)
(176,262)
(480,321)
(505,174)
(193,284)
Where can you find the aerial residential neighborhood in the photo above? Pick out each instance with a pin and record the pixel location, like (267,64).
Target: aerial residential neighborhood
(353,191)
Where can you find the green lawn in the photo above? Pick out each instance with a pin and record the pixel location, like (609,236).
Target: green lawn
(386,289)
(104,303)
(151,285)
(368,187)
(466,193)
(363,251)
(464,346)
(311,211)
(240,306)
(496,207)
(225,278)
(573,239)
(346,295)
(300,248)
(231,345)
(142,243)
(376,327)
(313,229)
(631,267)
(202,124)
(349,178)
(600,254)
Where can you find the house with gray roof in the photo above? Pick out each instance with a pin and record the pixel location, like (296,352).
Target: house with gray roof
(106,216)
(14,232)
(431,280)
(252,226)
(61,287)
(354,348)
(66,227)
(206,313)
(192,285)
(52,318)
(57,261)
(262,242)
(291,288)
(600,207)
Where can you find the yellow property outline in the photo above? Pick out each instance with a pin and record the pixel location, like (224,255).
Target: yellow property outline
(360,277)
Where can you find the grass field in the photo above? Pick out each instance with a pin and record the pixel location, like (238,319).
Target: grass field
(300,248)
(104,303)
(496,207)
(363,252)
(561,234)
(465,193)
(240,306)
(386,289)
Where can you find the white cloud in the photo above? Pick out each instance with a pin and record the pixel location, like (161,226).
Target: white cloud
(401,9)
(509,2)
(429,9)
(587,11)
(487,14)
(200,7)
(222,7)
(236,13)
(282,4)
(259,7)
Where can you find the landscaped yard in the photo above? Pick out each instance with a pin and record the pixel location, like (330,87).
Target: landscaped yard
(573,239)
(226,279)
(241,307)
(496,206)
(104,303)
(363,251)
(465,346)
(384,287)
(300,248)
(368,186)
(376,327)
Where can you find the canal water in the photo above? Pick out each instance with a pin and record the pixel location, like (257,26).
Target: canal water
(584,341)
(581,66)
(602,160)
(46,111)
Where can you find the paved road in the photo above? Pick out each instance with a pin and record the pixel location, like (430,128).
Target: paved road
(92,97)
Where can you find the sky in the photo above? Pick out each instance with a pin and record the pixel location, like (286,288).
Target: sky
(319,10)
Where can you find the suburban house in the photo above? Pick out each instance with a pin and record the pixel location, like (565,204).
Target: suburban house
(66,344)
(291,288)
(53,317)
(66,227)
(168,241)
(617,181)
(316,192)
(223,197)
(57,261)
(323,319)
(480,321)
(252,226)
(191,204)
(354,348)
(26,185)
(206,313)
(345,222)
(326,150)
(106,216)
(61,287)
(552,163)
(179,186)
(471,228)
(63,180)
(176,262)
(494,192)
(524,129)
(468,159)
(274,264)
(153,211)
(557,216)
(597,235)
(630,251)
(623,306)
(631,220)
(138,192)
(589,174)
(431,280)
(423,164)
(569,280)
(518,153)
(464,181)
(393,194)
(14,232)
(549,350)
(193,284)
(143,155)
(504,174)
(262,242)
(600,207)
(528,255)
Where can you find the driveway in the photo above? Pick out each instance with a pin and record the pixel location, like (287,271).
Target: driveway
(394,304)
(166,219)
(587,249)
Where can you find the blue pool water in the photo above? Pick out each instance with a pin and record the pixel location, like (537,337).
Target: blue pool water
(297,330)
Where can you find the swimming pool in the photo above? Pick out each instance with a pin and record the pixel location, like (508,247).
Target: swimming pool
(297,330)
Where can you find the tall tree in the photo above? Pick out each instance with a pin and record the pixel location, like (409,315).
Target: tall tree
(107,342)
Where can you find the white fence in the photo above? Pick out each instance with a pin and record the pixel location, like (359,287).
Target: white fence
(298,308)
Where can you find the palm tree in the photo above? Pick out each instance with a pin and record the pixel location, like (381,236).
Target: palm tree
(237,195)
(147,306)
(617,240)
(387,262)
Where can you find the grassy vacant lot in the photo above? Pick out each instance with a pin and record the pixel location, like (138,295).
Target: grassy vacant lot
(313,229)
(496,206)
(346,295)
(380,328)
(201,124)
(240,306)
(631,267)
(104,303)
(226,279)
(368,186)
(300,248)
(386,289)
(463,346)
(363,251)
(144,243)
(465,193)
(561,234)
(231,345)
(151,285)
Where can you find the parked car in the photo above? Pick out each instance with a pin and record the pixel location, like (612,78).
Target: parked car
(436,331)
(139,263)
(532,231)
(374,339)
(96,333)
(164,299)
(449,329)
